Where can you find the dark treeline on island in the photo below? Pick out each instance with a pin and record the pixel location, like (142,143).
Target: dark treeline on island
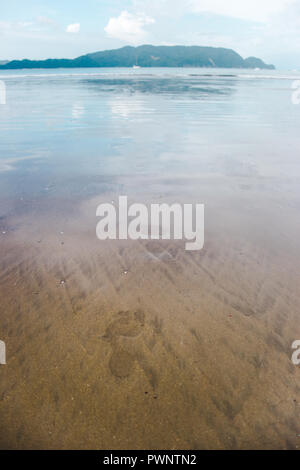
(149,56)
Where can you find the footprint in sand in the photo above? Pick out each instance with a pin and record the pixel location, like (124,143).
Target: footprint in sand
(129,325)
(121,363)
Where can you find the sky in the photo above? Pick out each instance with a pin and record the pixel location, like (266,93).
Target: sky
(39,29)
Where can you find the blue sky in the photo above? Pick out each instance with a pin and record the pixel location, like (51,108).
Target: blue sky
(39,29)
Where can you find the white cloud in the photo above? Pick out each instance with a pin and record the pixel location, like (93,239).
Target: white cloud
(40,25)
(161,8)
(44,21)
(4,26)
(128,27)
(254,10)
(73,28)
(8,27)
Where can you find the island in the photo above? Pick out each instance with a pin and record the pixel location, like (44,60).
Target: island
(149,56)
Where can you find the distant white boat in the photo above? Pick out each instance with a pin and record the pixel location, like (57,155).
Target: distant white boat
(136,67)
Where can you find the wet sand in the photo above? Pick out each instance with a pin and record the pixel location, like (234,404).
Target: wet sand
(142,345)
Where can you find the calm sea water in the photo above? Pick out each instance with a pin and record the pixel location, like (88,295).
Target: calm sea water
(77,131)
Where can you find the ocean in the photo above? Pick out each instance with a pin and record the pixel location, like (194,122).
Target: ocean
(61,125)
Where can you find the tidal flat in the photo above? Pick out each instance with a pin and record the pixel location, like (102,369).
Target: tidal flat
(124,344)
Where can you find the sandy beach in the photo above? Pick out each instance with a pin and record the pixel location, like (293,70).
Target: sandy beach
(142,345)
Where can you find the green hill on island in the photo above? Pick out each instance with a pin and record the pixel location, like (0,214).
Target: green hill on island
(149,56)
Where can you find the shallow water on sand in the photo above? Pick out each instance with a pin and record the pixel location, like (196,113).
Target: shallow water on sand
(144,345)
